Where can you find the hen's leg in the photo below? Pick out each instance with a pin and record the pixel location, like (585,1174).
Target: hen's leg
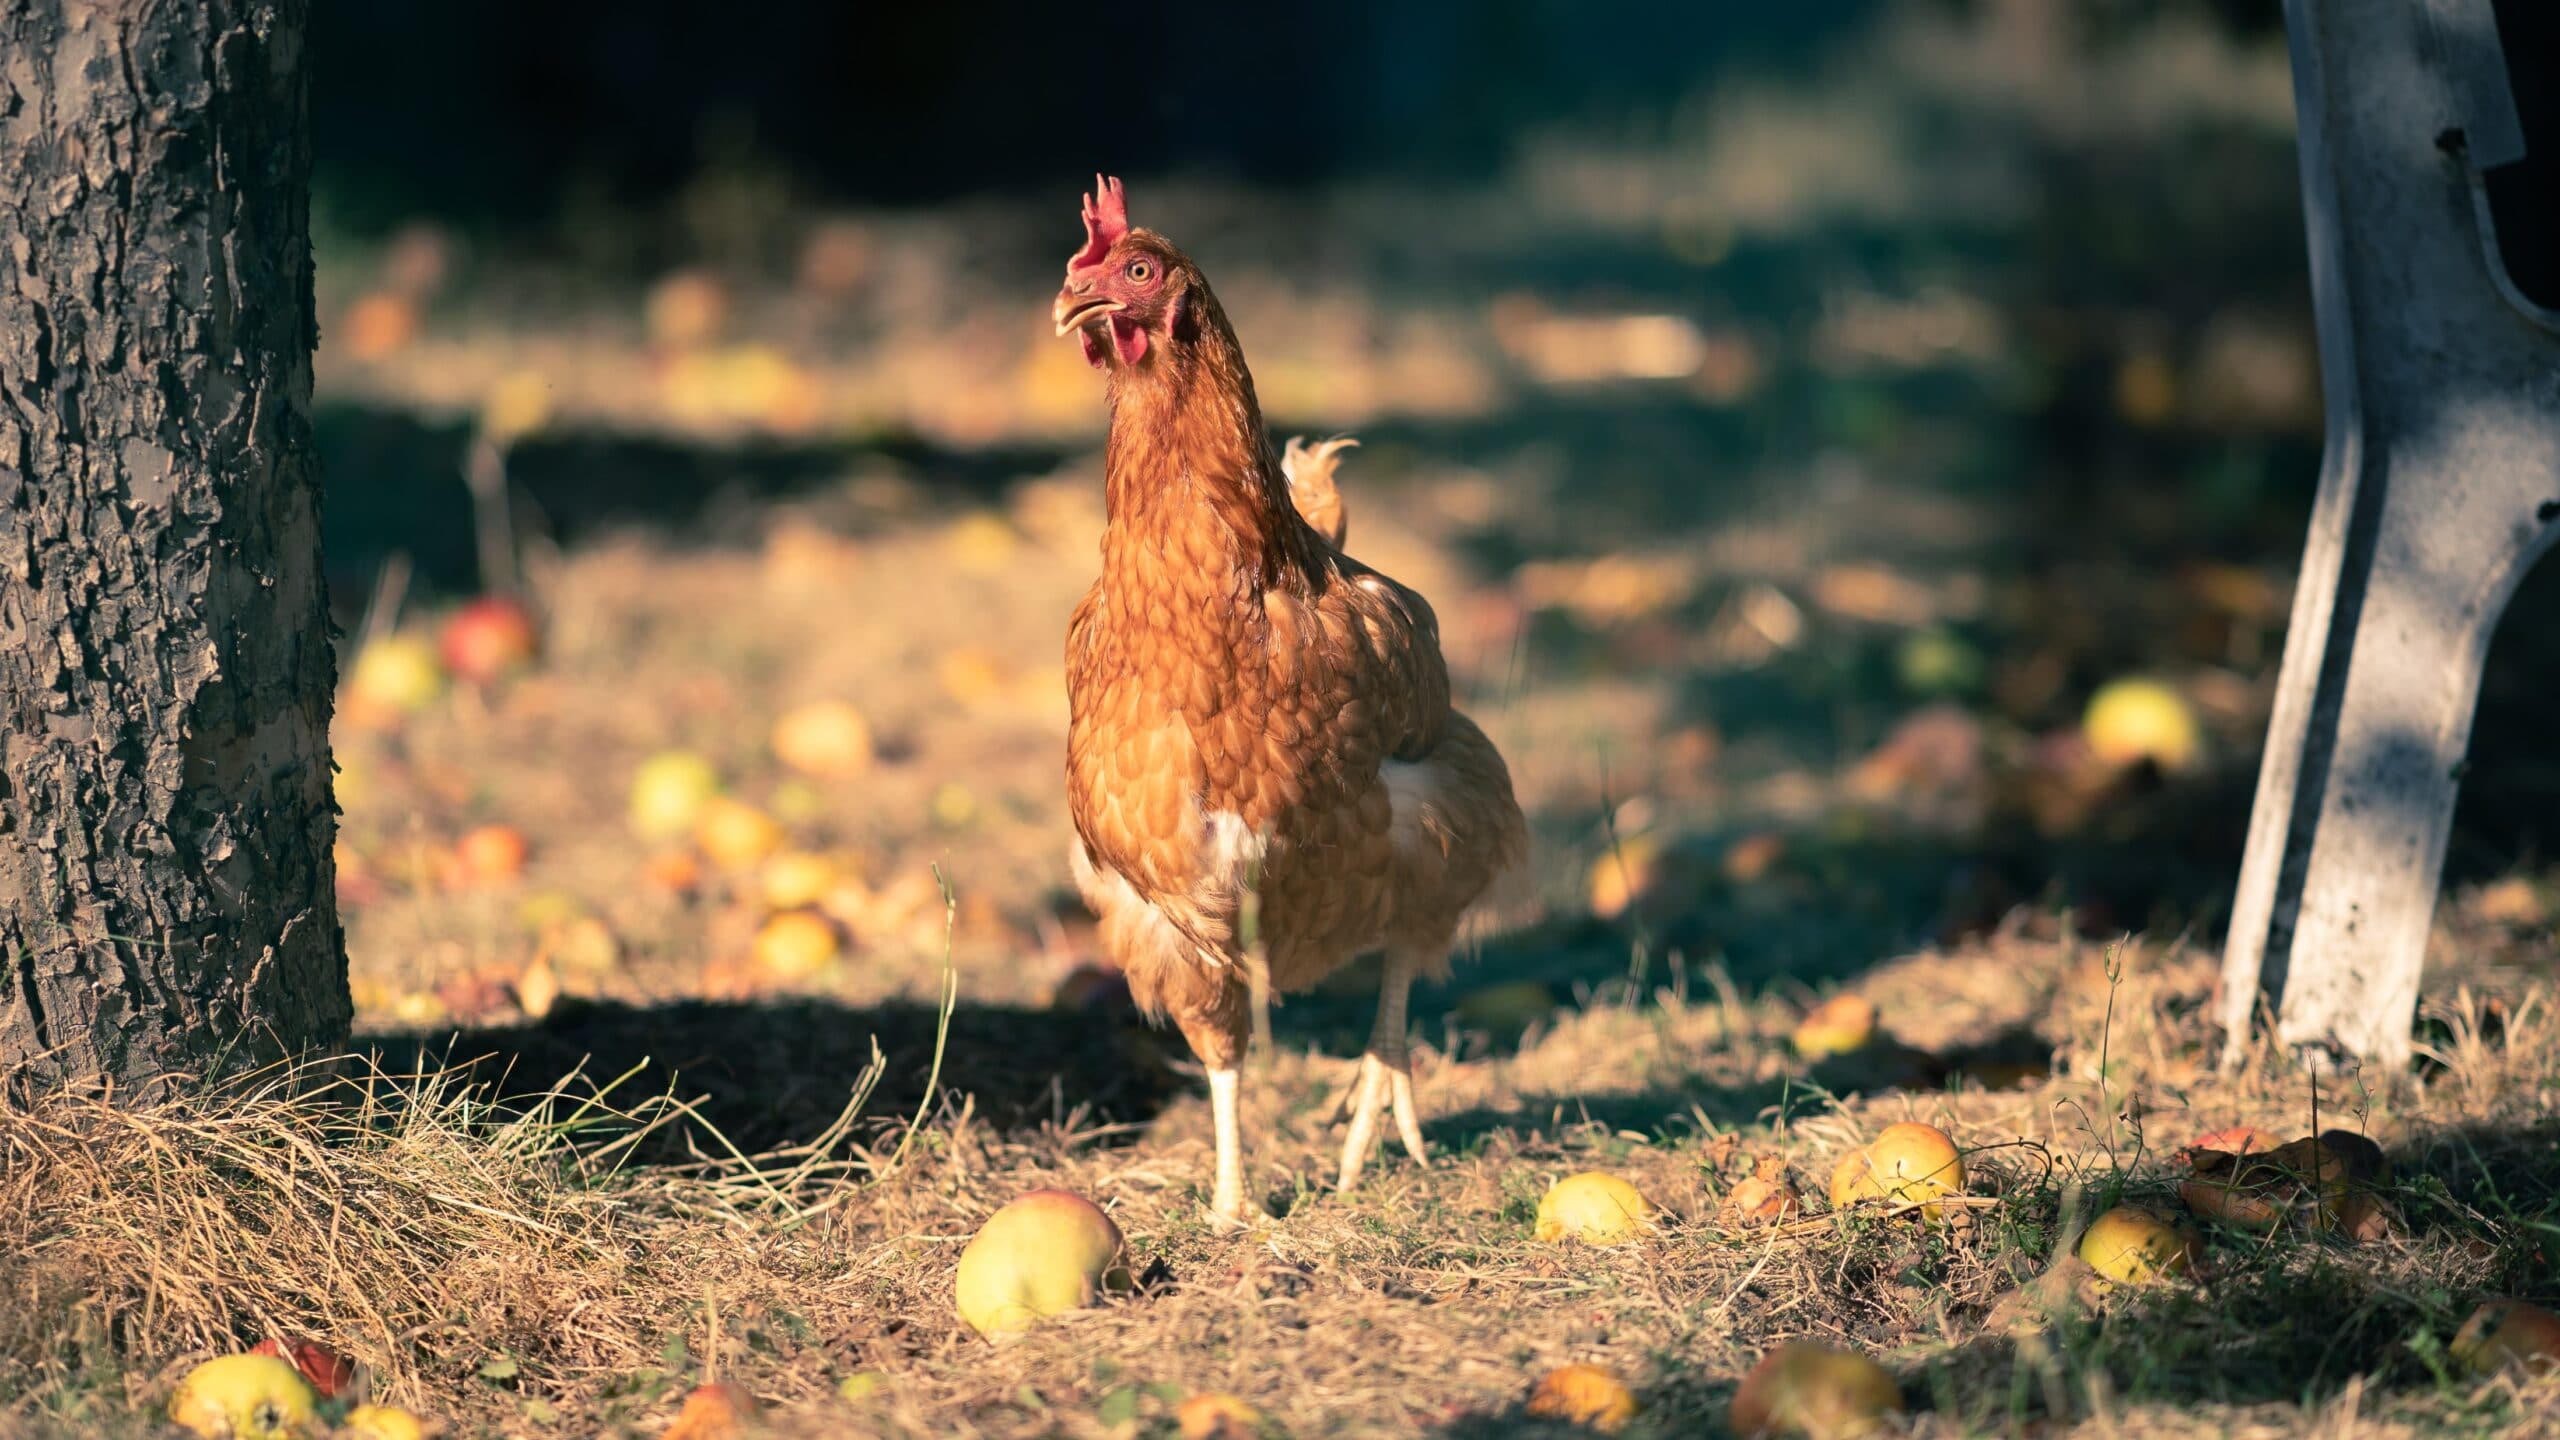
(1218,1033)
(1386,1075)
(1226,1200)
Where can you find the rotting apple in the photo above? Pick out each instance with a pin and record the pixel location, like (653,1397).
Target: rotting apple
(1816,1392)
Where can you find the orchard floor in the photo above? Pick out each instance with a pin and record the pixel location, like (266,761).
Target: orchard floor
(1785,486)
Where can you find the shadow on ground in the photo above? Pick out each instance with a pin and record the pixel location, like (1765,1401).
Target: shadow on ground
(770,1074)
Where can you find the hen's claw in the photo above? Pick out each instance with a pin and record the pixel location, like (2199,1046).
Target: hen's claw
(1367,1096)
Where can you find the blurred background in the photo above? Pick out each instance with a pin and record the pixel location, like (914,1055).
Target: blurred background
(1858,450)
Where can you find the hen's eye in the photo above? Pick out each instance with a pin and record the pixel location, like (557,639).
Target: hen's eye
(1139,270)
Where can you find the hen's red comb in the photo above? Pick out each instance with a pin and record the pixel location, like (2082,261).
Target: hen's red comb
(1106,219)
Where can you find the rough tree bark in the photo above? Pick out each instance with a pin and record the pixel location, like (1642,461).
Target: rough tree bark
(166,891)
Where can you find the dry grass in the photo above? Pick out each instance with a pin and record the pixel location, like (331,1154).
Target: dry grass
(512,1269)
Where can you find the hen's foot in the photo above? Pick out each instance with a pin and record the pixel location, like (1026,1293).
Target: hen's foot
(1384,1084)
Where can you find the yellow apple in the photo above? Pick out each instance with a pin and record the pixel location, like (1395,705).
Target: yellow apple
(381,1422)
(735,835)
(244,1397)
(2135,1246)
(1838,1026)
(1906,1162)
(1816,1392)
(668,792)
(796,878)
(825,738)
(1214,1416)
(1595,1208)
(1584,1395)
(1046,1253)
(2135,719)
(796,945)
(394,676)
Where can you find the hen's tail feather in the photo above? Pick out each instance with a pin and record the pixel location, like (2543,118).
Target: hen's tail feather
(1310,472)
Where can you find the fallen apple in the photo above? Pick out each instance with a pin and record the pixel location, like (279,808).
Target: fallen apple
(825,738)
(2508,1335)
(381,1422)
(668,793)
(734,835)
(796,878)
(1586,1395)
(329,1372)
(1837,1026)
(1046,1253)
(1767,1196)
(2136,719)
(796,945)
(394,676)
(712,1412)
(489,855)
(1215,1416)
(1623,875)
(1595,1208)
(1906,1162)
(2134,1246)
(1813,1391)
(678,872)
(244,1397)
(489,639)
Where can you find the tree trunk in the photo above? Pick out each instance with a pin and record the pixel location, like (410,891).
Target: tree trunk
(166,891)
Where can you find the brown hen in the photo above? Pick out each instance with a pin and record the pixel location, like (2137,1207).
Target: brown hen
(1251,708)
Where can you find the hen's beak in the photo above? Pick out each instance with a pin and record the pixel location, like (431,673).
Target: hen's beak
(1073,311)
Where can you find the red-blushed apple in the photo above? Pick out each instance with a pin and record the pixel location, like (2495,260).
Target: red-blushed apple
(1908,1161)
(489,639)
(329,1372)
(1048,1252)
(489,855)
(712,1412)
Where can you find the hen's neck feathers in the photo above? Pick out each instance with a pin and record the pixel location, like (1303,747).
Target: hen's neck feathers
(1190,477)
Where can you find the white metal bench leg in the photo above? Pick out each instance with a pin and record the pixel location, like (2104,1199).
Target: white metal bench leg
(2439,489)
